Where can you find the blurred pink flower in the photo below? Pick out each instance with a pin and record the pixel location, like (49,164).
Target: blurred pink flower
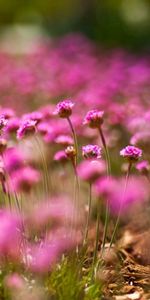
(23,180)
(64,140)
(90,170)
(53,212)
(33,116)
(42,257)
(10,234)
(14,281)
(26,128)
(13,160)
(60,156)
(43,127)
(143,167)
(12,125)
(8,113)
(113,190)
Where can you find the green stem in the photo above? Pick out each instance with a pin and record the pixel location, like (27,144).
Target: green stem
(74,138)
(120,209)
(76,188)
(108,174)
(106,151)
(97,241)
(88,216)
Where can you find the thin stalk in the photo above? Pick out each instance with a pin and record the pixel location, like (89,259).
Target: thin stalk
(105,225)
(97,241)
(119,214)
(7,194)
(106,151)
(74,164)
(9,200)
(76,187)
(108,174)
(88,216)
(74,138)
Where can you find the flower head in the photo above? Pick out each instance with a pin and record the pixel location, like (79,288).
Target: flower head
(13,160)
(27,127)
(91,151)
(8,113)
(64,109)
(34,116)
(143,167)
(23,180)
(14,281)
(10,226)
(64,140)
(60,156)
(90,170)
(94,118)
(12,125)
(137,191)
(70,152)
(131,153)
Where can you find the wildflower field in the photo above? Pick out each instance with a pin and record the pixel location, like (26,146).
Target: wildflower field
(74,173)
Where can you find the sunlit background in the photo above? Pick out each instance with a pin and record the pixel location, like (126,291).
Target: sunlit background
(112,23)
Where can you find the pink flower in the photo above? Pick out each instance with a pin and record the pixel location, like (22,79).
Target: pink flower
(53,212)
(13,160)
(94,118)
(14,281)
(10,233)
(60,156)
(143,167)
(23,180)
(90,170)
(34,116)
(8,113)
(41,258)
(47,111)
(64,140)
(141,138)
(27,127)
(112,190)
(132,153)
(43,127)
(12,125)
(91,151)
(64,109)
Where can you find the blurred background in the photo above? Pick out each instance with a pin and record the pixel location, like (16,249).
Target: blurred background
(112,23)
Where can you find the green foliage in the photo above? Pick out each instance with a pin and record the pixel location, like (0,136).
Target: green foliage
(68,282)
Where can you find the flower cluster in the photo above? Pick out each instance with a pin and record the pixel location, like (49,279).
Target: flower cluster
(54,180)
